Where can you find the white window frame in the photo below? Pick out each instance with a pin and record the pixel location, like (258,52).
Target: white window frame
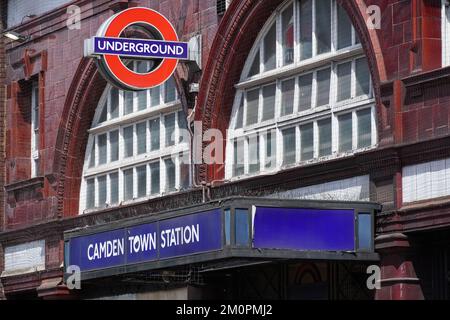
(137,160)
(316,113)
(445,33)
(35,132)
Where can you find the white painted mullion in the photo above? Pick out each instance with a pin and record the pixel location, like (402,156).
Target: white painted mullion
(244,115)
(108,105)
(162,133)
(108,188)
(314,90)
(96,192)
(278,100)
(316,139)
(296,15)
(121,103)
(353,79)
(297,144)
(135,182)
(296,96)
(148,177)
(246,155)
(96,162)
(278,42)
(262,150)
(334,133)
(314,39)
(279,148)
(354,130)
(177,171)
(333,85)
(334,26)
(374,125)
(177,128)
(121,185)
(162,175)
(260,104)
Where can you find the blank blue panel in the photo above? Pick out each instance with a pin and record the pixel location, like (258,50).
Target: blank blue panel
(304,229)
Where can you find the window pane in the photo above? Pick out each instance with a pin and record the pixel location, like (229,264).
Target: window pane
(154,134)
(287,19)
(128,184)
(364,128)
(270,49)
(362,77)
(287,97)
(240,115)
(269,102)
(253,154)
(305,29)
(182,124)
(344,73)
(323,26)
(114,103)
(142,100)
(345,132)
(128,102)
(289,146)
(238,167)
(305,84)
(128,141)
(102,154)
(169,122)
(324,137)
(103,115)
(307,142)
(101,191)
(114,188)
(142,67)
(92,155)
(344,29)
(114,145)
(323,87)
(252,106)
(254,69)
(90,193)
(141,132)
(170,175)
(155,96)
(142,181)
(155,178)
(271,146)
(170,90)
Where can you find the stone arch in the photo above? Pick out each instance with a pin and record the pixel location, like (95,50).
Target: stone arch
(235,37)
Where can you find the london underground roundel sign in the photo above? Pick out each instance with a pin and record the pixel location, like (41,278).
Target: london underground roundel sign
(162,47)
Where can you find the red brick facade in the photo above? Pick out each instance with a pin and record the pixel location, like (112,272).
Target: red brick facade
(413,110)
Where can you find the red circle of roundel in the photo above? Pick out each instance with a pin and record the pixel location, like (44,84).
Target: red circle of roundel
(124,75)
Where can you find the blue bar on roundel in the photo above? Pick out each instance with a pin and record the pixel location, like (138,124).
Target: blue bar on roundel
(141,48)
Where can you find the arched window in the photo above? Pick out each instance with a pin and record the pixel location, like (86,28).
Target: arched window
(135,148)
(305,93)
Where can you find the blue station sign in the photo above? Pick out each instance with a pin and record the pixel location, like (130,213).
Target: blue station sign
(242,228)
(185,235)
